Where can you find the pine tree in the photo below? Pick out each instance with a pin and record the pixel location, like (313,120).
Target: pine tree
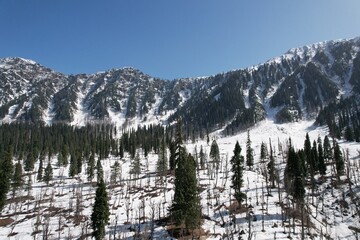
(78,162)
(17,177)
(327,149)
(290,168)
(322,165)
(29,162)
(6,174)
(99,171)
(294,177)
(308,155)
(115,172)
(48,173)
(215,154)
(39,176)
(121,149)
(315,156)
(263,152)
(91,168)
(73,166)
(271,167)
(172,158)
(249,152)
(339,160)
(135,166)
(60,159)
(162,159)
(202,158)
(101,212)
(65,155)
(186,205)
(237,167)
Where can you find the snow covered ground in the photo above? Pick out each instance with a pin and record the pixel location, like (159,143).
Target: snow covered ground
(62,209)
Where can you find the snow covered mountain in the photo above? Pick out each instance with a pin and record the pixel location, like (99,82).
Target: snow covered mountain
(319,81)
(296,85)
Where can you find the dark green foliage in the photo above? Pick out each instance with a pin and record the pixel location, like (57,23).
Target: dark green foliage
(210,110)
(172,98)
(131,104)
(73,169)
(91,168)
(321,57)
(29,162)
(342,118)
(101,212)
(342,54)
(288,114)
(172,158)
(135,165)
(316,85)
(35,141)
(355,76)
(263,151)
(322,165)
(6,174)
(162,159)
(310,157)
(249,152)
(147,101)
(121,149)
(115,172)
(64,102)
(237,167)
(339,160)
(17,177)
(299,189)
(293,176)
(202,157)
(271,164)
(99,171)
(215,153)
(39,176)
(349,134)
(48,173)
(327,149)
(287,93)
(186,206)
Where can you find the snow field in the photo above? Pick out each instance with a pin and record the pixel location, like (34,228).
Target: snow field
(63,209)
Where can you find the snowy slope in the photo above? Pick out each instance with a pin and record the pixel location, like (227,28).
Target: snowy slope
(52,209)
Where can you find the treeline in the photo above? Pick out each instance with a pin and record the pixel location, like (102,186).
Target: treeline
(342,119)
(24,139)
(22,145)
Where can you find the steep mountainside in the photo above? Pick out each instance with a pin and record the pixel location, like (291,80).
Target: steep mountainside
(296,85)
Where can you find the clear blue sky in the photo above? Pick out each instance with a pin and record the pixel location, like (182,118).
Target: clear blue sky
(168,38)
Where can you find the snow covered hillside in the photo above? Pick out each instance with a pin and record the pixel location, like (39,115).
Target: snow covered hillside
(138,206)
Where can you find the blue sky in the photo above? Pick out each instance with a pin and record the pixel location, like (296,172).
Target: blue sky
(168,38)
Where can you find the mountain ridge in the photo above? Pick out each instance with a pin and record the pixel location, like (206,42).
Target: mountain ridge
(297,85)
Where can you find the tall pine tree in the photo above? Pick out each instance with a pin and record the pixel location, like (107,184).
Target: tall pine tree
(6,174)
(162,159)
(237,167)
(249,152)
(215,154)
(186,208)
(48,173)
(101,212)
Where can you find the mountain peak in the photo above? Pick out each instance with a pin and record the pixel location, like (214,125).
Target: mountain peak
(17,60)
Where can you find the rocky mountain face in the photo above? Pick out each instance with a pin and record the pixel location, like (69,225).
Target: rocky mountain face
(296,85)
